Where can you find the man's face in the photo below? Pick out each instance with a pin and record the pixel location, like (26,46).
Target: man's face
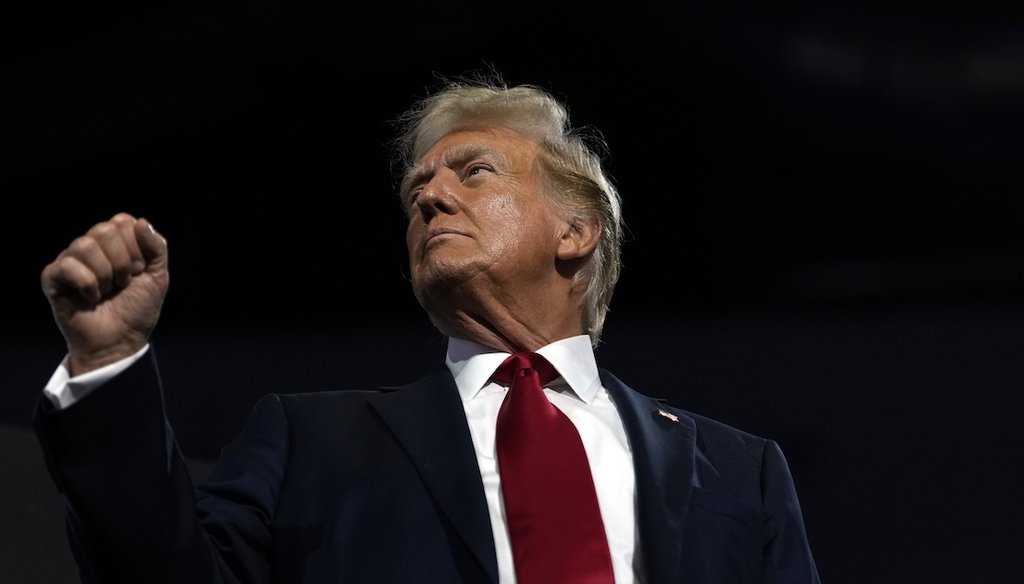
(477,215)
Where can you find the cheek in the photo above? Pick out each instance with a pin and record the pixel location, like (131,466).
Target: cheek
(504,219)
(414,251)
(412,235)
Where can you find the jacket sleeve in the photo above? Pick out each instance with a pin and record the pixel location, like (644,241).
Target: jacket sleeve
(132,512)
(787,554)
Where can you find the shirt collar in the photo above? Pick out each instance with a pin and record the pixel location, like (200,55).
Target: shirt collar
(472,365)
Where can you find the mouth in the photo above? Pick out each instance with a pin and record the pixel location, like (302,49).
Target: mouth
(440,232)
(433,237)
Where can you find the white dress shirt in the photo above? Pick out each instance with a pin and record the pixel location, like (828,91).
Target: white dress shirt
(63,390)
(578,393)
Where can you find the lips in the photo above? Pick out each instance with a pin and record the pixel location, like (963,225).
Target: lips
(434,232)
(436,235)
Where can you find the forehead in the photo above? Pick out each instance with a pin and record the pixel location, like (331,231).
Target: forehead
(482,139)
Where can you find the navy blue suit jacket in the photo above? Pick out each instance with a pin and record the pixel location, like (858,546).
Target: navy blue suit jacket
(383,486)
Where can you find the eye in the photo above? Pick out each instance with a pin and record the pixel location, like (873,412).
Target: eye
(410,198)
(476,169)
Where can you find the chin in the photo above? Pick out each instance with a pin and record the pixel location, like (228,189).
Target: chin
(441,285)
(443,273)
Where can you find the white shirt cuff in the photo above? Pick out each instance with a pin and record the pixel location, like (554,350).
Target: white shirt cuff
(63,391)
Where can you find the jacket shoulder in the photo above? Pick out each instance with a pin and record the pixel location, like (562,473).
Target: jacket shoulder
(319,401)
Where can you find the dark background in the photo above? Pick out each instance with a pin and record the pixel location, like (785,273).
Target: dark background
(823,201)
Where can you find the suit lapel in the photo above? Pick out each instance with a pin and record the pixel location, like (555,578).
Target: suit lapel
(663,445)
(428,419)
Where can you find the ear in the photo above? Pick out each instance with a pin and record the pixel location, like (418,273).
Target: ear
(579,238)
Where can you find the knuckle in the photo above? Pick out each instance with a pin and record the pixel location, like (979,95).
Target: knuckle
(105,230)
(84,245)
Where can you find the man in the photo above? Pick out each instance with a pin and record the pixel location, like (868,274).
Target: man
(513,240)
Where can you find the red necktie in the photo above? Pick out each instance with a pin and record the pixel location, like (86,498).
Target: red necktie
(553,517)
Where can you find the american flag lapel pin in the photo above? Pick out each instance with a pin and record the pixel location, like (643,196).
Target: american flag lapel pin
(668,415)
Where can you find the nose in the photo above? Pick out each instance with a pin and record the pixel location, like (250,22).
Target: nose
(436,197)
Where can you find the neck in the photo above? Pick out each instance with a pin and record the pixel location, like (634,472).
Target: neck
(507,325)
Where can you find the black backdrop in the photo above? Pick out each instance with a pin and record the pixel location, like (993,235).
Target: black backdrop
(823,204)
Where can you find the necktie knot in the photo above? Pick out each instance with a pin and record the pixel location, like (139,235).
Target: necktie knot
(525,363)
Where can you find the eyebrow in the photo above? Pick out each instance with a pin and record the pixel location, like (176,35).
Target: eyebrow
(456,157)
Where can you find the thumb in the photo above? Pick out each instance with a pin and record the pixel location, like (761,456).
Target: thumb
(152,245)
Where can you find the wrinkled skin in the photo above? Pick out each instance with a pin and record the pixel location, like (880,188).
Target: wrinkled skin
(487,248)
